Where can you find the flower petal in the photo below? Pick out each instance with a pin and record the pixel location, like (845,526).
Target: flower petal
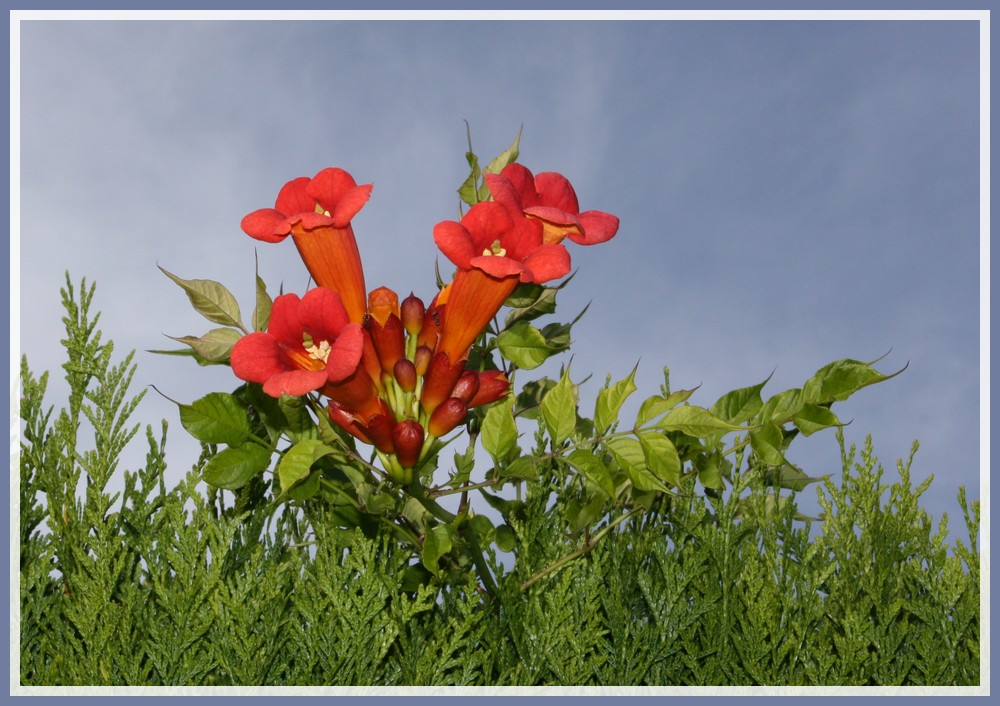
(455,242)
(349,205)
(503,192)
(322,314)
(266,224)
(295,382)
(555,191)
(547,262)
(285,324)
(523,182)
(597,227)
(486,222)
(293,198)
(256,357)
(345,354)
(497,266)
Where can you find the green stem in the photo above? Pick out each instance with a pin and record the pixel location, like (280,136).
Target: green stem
(587,546)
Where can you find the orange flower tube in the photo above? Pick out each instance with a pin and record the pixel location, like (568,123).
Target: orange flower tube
(473,301)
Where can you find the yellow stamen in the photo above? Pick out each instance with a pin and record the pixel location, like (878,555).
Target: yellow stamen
(495,249)
(320,352)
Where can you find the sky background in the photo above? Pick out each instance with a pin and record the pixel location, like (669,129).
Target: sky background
(790,193)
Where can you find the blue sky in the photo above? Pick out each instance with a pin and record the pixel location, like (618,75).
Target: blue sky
(790,193)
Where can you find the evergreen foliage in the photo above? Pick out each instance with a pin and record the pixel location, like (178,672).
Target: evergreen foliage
(190,586)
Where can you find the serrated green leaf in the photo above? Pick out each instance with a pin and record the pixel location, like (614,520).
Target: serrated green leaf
(216,418)
(524,345)
(233,468)
(499,432)
(661,457)
(694,421)
(559,410)
(437,543)
(210,299)
(591,468)
(298,460)
(215,346)
(610,400)
(767,442)
(812,418)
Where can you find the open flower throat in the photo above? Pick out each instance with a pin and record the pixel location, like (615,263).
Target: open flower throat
(393,374)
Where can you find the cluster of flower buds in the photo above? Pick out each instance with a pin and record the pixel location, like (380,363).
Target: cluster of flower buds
(395,373)
(422,396)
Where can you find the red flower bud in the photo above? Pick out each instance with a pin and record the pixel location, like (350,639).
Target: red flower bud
(447,416)
(422,360)
(408,438)
(382,303)
(343,418)
(467,386)
(439,381)
(412,313)
(380,428)
(388,340)
(493,385)
(406,375)
(431,330)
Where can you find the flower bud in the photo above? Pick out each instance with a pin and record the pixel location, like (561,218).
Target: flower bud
(493,385)
(405,373)
(408,438)
(448,415)
(380,428)
(382,303)
(467,386)
(343,418)
(422,360)
(439,381)
(430,332)
(388,340)
(412,313)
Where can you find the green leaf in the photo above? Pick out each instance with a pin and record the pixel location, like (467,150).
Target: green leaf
(523,345)
(654,406)
(610,400)
(739,405)
(839,380)
(559,410)
(791,477)
(767,442)
(523,468)
(298,460)
(543,303)
(632,459)
(499,432)
(497,164)
(591,468)
(215,346)
(812,418)
(661,457)
(709,471)
(262,307)
(437,543)
(233,468)
(529,400)
(216,418)
(210,299)
(694,421)
(782,407)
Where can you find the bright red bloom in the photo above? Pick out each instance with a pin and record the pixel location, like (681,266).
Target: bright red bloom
(309,343)
(317,213)
(550,198)
(490,239)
